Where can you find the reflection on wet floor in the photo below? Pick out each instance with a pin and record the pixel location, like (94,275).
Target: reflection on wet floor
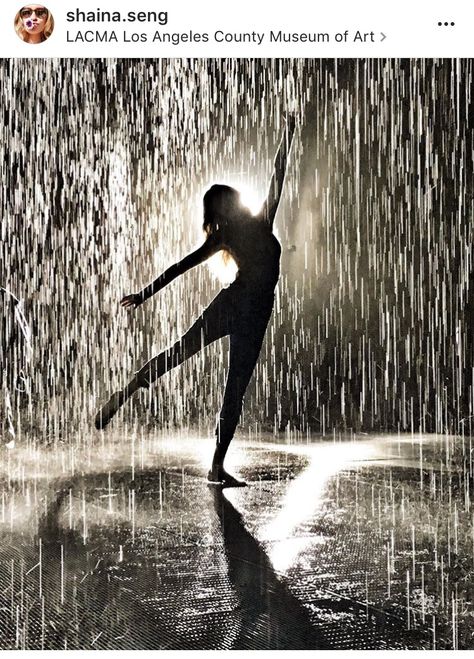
(364,543)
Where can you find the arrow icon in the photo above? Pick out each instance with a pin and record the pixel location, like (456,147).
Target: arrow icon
(384,36)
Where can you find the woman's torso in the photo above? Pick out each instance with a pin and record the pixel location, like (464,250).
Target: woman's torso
(256,251)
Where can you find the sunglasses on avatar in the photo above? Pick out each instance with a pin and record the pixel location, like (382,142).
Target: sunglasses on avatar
(26,12)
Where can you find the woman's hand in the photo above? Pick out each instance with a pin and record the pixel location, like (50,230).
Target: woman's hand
(134,300)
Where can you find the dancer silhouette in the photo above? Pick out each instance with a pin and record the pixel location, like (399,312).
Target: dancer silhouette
(241,311)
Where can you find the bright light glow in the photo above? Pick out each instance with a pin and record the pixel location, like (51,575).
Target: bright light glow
(303,497)
(224,270)
(250,198)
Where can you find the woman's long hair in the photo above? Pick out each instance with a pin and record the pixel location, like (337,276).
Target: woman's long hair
(23,34)
(219,202)
(220,205)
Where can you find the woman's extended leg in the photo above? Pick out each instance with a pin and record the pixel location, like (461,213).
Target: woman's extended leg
(214,323)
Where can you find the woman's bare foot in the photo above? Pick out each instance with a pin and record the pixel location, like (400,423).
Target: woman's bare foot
(219,476)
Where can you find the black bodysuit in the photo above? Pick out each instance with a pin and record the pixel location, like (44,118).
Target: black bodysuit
(242,311)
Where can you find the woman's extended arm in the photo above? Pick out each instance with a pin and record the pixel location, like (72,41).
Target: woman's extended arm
(210,247)
(276,184)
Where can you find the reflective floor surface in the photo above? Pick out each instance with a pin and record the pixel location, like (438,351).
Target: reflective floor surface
(117,542)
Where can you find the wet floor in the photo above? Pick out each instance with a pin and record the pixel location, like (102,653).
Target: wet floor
(118,543)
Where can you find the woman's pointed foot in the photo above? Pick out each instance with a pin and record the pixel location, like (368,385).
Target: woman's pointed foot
(110,408)
(221,478)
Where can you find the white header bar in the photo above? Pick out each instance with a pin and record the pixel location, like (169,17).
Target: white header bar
(256,28)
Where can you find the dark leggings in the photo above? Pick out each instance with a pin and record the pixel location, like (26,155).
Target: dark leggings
(242,316)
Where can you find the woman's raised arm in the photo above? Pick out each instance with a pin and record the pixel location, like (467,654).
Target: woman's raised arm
(276,184)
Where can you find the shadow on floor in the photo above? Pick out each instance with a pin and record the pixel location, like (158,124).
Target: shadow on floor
(269,611)
(186,574)
(99,612)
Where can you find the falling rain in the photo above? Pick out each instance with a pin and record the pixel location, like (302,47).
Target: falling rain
(356,433)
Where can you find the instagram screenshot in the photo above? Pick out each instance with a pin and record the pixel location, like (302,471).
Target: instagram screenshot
(237,326)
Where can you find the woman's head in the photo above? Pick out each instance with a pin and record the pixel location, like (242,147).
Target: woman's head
(34,23)
(222,207)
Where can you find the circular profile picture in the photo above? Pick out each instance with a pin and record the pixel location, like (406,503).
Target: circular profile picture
(34,23)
